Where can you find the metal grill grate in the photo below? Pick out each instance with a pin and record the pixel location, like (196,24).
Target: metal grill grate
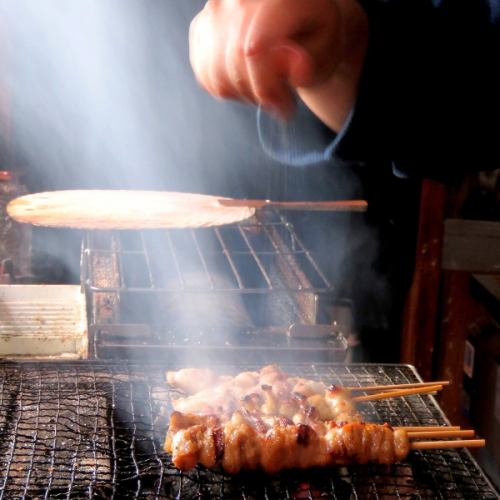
(240,266)
(95,430)
(237,287)
(244,253)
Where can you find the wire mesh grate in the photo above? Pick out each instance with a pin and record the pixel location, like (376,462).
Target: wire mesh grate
(95,430)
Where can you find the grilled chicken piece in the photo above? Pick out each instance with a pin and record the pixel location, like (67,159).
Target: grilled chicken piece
(342,406)
(269,391)
(194,439)
(193,380)
(243,444)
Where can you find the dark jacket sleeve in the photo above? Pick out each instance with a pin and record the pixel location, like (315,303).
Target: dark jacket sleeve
(429,96)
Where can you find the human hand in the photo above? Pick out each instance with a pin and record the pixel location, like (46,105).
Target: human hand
(260,50)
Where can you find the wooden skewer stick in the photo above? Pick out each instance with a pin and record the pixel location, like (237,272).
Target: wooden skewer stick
(370,388)
(325,206)
(421,428)
(402,392)
(441,434)
(460,443)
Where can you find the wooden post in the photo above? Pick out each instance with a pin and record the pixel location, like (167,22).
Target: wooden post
(422,306)
(459,310)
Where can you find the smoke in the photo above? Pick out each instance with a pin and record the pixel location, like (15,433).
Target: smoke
(102,96)
(83,110)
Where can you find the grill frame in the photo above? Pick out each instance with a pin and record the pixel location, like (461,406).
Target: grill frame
(59,422)
(278,236)
(144,270)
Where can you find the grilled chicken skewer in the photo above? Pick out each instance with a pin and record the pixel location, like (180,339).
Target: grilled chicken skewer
(268,391)
(243,444)
(221,395)
(269,420)
(246,442)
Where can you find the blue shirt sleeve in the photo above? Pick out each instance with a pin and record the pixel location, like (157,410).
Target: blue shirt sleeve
(429,96)
(301,141)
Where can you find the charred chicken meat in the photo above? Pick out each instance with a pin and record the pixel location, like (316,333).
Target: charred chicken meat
(271,421)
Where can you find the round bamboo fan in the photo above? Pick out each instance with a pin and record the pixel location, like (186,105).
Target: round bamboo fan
(124,209)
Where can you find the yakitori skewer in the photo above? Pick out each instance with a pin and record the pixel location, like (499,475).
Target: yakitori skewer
(397,393)
(418,428)
(372,388)
(469,433)
(459,443)
(326,430)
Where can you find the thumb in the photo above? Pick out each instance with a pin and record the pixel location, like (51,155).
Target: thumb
(293,63)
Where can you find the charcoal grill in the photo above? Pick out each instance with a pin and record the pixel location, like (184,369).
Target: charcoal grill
(94,429)
(247,289)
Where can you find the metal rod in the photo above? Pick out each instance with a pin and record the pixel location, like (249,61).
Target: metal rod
(147,259)
(287,259)
(227,253)
(255,257)
(298,241)
(202,258)
(116,247)
(294,277)
(171,247)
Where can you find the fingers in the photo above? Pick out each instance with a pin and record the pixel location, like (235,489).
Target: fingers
(277,20)
(216,53)
(307,34)
(258,50)
(236,66)
(196,50)
(275,63)
(274,73)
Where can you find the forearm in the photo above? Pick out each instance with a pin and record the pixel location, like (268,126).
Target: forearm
(330,101)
